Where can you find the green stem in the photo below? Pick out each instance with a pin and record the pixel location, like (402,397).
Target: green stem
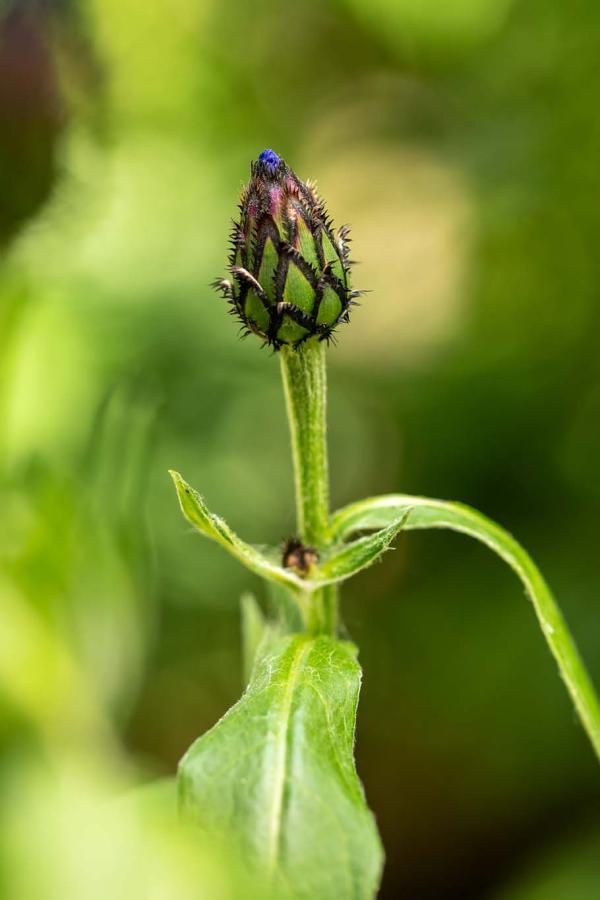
(304,377)
(305,387)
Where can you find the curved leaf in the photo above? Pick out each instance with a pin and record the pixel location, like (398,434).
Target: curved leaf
(377,512)
(276,775)
(345,560)
(207,523)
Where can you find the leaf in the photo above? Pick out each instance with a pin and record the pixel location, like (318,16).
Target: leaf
(340,563)
(284,609)
(377,512)
(207,523)
(276,777)
(346,560)
(254,628)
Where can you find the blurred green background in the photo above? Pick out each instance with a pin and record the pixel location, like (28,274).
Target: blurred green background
(462,141)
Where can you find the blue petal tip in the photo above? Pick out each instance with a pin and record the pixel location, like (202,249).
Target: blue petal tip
(269,158)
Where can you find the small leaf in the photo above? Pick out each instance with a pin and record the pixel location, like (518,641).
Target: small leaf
(284,609)
(197,513)
(254,628)
(276,778)
(377,512)
(348,559)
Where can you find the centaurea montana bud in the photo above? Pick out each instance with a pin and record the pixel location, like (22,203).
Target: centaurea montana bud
(290,272)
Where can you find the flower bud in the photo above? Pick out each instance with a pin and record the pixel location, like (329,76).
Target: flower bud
(289,270)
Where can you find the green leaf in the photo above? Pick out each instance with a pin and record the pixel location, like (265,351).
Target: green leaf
(346,560)
(377,512)
(254,628)
(340,563)
(276,778)
(207,523)
(284,609)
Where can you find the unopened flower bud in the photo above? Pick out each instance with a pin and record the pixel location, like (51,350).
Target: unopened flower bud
(289,269)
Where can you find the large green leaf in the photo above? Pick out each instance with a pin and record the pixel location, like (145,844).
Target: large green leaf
(276,775)
(378,512)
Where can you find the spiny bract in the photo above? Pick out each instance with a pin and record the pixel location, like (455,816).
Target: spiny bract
(290,270)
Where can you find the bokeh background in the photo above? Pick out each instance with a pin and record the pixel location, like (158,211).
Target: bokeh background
(462,141)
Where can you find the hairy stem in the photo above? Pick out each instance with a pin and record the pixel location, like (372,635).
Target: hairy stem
(304,377)
(305,388)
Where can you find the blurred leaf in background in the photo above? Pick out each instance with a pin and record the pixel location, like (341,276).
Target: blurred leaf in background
(461,144)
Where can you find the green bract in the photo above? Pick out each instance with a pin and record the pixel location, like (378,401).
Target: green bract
(290,272)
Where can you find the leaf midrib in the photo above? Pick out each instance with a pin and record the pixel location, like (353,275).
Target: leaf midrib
(282,754)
